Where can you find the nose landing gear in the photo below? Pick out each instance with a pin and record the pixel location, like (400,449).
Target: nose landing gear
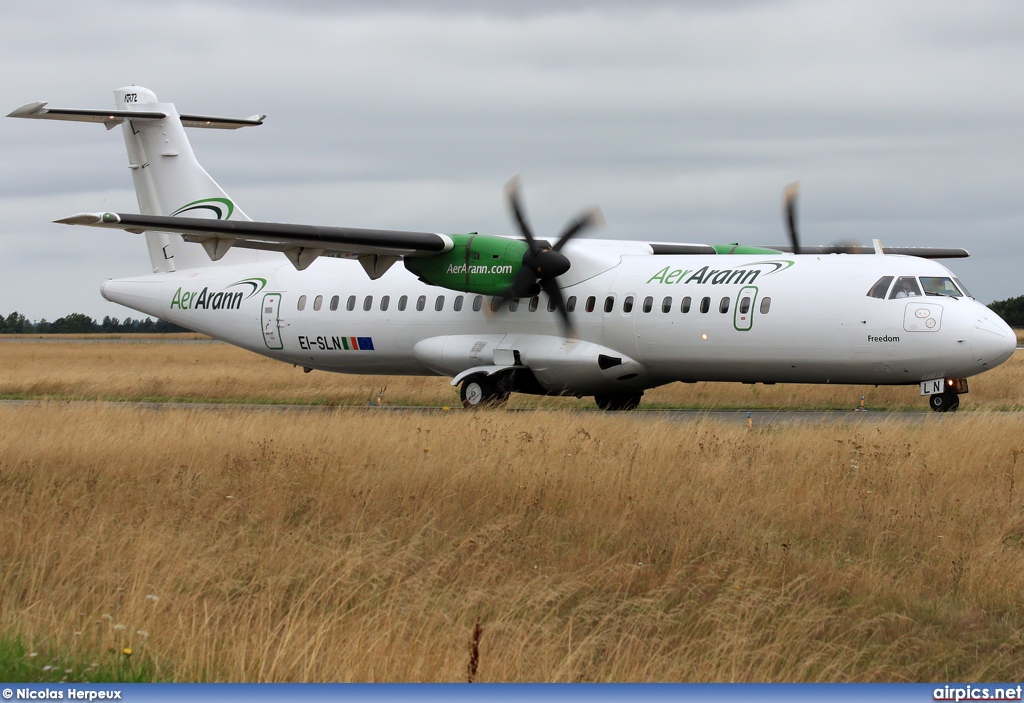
(947,402)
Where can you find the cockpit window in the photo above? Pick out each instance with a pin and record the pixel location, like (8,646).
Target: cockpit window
(939,285)
(906,287)
(881,286)
(962,287)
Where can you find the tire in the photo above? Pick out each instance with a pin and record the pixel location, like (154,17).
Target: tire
(481,391)
(617,403)
(944,402)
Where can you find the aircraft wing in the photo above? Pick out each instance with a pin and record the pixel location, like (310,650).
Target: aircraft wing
(920,252)
(300,243)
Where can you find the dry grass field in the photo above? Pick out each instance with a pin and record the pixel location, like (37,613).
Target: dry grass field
(233,545)
(222,373)
(364,545)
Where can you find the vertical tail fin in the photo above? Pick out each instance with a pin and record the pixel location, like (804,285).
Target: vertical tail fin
(168,179)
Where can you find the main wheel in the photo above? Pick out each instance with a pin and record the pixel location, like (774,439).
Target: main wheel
(618,402)
(481,391)
(944,402)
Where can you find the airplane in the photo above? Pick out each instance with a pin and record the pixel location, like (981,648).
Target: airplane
(501,315)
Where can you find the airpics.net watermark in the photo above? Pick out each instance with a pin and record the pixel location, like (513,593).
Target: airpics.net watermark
(977,693)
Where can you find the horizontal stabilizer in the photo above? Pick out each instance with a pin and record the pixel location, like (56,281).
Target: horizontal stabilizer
(112,118)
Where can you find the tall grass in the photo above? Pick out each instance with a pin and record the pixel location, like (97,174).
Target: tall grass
(352,546)
(218,372)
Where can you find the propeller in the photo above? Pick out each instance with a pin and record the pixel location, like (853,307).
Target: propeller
(847,246)
(543,263)
(789,205)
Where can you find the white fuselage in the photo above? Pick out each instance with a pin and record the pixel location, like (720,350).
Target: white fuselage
(818,326)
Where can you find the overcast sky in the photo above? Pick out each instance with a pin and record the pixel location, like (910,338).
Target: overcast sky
(904,121)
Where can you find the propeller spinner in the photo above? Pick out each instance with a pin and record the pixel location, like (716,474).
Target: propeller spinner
(542,263)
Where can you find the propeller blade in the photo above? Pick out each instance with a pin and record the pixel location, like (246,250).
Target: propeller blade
(555,293)
(585,220)
(542,263)
(789,200)
(524,285)
(512,190)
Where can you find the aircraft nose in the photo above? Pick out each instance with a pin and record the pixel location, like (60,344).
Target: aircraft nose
(992,340)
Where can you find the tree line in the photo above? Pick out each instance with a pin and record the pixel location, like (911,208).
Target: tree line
(1011,310)
(77,323)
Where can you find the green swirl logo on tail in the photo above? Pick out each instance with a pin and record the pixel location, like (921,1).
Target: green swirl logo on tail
(221,207)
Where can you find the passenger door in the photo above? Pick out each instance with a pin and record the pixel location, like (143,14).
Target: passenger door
(743,316)
(271,320)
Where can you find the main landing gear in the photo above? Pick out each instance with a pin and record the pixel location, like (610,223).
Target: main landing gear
(627,401)
(946,402)
(480,391)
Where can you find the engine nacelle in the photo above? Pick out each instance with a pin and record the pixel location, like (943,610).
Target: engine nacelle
(481,264)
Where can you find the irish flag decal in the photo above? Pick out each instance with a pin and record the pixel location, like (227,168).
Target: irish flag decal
(357,343)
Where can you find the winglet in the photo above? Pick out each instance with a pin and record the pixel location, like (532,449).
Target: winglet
(28,110)
(90,218)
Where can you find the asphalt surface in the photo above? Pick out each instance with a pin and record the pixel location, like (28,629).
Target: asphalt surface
(755,418)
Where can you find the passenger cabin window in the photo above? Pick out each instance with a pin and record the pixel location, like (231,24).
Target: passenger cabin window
(666,305)
(570,304)
(384,302)
(627,304)
(591,303)
(318,302)
(302,302)
(906,287)
(648,303)
(609,303)
(513,305)
(881,286)
(367,303)
(939,285)
(334,303)
(685,307)
(495,304)
(766,304)
(745,305)
(350,304)
(478,303)
(457,306)
(402,303)
(551,304)
(421,303)
(705,304)
(439,303)
(534,302)
(723,307)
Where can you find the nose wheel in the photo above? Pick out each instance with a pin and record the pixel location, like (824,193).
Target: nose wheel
(944,402)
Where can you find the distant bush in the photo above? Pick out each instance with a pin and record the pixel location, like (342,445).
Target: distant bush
(1011,310)
(77,323)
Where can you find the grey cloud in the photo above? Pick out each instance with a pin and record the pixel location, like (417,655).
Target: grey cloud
(682,120)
